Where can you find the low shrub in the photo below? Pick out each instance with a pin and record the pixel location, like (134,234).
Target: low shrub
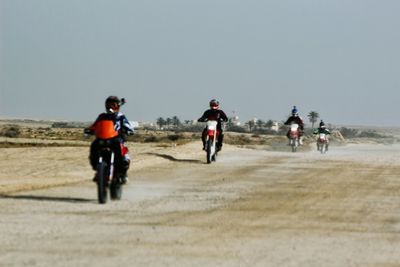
(12,131)
(174,137)
(150,139)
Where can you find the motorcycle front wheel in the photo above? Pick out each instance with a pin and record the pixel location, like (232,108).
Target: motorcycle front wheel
(209,156)
(323,148)
(295,144)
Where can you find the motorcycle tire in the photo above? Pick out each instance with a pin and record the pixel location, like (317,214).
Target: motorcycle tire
(115,190)
(209,156)
(294,145)
(323,148)
(102,182)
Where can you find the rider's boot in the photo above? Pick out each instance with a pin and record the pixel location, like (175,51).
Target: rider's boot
(124,169)
(124,179)
(288,137)
(93,163)
(219,146)
(220,142)
(203,138)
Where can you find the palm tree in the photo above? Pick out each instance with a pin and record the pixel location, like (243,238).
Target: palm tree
(168,121)
(230,122)
(176,121)
(251,124)
(160,122)
(260,123)
(269,124)
(313,117)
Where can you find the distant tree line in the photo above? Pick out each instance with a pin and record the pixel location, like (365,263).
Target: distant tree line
(259,125)
(168,123)
(174,123)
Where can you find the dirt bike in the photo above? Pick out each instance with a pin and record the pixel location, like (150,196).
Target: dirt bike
(294,136)
(322,143)
(211,140)
(106,176)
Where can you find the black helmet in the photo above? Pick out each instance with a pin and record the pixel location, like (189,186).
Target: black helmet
(113,103)
(322,124)
(214,104)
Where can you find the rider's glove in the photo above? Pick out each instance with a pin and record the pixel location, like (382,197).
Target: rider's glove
(88,131)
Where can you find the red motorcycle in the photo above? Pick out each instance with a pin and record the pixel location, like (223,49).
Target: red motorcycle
(107,178)
(212,134)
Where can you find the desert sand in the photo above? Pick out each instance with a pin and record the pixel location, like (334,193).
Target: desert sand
(250,208)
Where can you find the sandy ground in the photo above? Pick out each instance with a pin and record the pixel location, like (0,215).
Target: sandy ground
(250,208)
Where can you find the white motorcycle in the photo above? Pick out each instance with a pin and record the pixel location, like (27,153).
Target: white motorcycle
(322,143)
(294,136)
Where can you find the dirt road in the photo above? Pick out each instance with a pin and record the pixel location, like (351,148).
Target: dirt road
(251,208)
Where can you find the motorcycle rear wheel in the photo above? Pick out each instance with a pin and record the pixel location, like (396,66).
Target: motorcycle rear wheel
(102,182)
(115,190)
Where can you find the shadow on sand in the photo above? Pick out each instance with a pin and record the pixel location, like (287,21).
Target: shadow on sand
(171,158)
(47,198)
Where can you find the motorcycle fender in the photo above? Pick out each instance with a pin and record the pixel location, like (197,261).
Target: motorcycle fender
(124,150)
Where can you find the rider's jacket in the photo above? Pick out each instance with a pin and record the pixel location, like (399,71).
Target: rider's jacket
(109,126)
(295,119)
(322,130)
(214,114)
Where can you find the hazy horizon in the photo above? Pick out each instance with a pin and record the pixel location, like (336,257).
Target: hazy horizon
(59,60)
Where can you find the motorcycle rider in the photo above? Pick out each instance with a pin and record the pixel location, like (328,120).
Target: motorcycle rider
(322,129)
(295,118)
(112,125)
(214,113)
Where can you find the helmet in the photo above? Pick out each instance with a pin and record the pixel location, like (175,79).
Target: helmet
(112,104)
(295,112)
(322,124)
(214,104)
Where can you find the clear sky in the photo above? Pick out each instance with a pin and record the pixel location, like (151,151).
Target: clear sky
(60,59)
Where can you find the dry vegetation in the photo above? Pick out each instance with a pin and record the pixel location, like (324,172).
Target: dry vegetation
(22,133)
